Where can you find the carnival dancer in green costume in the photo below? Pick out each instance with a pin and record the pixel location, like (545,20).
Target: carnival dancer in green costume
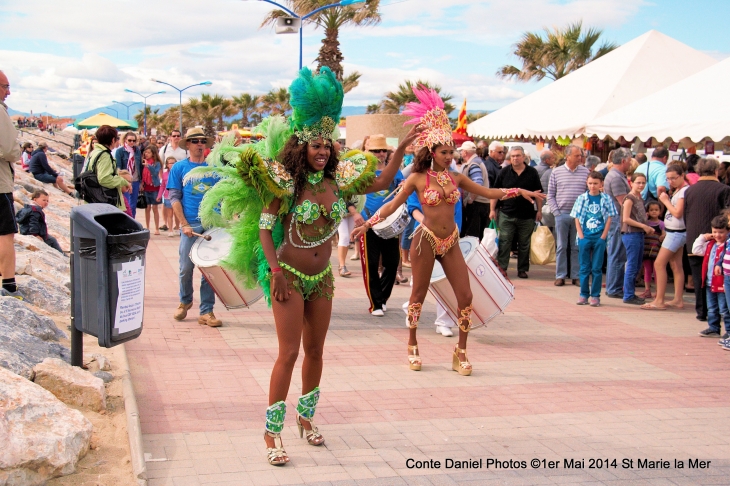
(283,199)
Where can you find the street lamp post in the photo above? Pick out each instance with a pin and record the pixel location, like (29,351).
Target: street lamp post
(145,105)
(343,3)
(204,83)
(127,105)
(115,111)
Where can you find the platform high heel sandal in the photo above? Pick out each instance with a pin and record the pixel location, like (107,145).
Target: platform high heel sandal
(414,360)
(414,315)
(274,424)
(462,367)
(305,410)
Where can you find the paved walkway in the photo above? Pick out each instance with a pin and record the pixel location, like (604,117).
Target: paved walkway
(551,381)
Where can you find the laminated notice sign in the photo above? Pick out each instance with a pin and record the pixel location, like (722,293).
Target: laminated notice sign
(130,303)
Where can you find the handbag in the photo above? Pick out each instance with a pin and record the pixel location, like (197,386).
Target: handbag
(490,239)
(141,200)
(542,246)
(88,187)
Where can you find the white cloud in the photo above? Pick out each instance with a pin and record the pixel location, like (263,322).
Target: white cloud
(92,67)
(94,50)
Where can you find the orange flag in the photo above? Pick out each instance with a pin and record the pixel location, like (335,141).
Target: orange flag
(461,123)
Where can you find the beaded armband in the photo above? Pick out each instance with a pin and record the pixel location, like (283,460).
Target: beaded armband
(375,219)
(510,193)
(267,221)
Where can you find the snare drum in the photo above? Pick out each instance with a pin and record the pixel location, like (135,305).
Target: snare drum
(206,255)
(393,225)
(491,290)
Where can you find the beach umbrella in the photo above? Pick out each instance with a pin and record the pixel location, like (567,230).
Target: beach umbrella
(100,119)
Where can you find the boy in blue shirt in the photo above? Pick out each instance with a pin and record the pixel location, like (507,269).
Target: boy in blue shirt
(592,211)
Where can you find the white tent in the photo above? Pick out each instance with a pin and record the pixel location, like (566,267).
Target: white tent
(640,67)
(696,107)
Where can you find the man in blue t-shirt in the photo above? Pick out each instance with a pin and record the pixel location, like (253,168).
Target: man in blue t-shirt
(186,199)
(592,211)
(374,249)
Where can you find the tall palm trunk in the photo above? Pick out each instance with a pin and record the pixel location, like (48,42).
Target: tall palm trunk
(330,54)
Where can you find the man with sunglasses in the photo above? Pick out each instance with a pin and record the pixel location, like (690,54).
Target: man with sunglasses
(186,199)
(172,148)
(9,155)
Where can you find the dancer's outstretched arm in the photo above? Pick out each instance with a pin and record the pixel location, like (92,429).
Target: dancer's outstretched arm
(387,209)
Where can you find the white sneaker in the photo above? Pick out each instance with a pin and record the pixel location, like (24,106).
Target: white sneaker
(444,331)
(385,309)
(378,313)
(405,307)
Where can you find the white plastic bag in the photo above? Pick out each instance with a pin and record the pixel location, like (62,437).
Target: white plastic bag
(490,239)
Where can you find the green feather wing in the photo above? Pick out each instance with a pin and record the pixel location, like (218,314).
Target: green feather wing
(355,172)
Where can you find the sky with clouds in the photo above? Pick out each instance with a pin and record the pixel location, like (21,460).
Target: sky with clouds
(71,56)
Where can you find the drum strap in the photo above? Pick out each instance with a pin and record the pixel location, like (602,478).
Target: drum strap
(414,314)
(465,316)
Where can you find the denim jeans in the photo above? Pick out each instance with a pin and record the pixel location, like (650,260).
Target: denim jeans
(565,234)
(133,198)
(590,254)
(509,229)
(616,259)
(207,296)
(717,310)
(634,245)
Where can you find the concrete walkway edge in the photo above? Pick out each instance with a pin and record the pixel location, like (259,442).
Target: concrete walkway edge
(134,429)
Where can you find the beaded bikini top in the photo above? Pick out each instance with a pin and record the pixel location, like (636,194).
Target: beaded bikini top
(307,212)
(432,197)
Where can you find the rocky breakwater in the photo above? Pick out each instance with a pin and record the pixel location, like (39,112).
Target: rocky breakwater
(43,430)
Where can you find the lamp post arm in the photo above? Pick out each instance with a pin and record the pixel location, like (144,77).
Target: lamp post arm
(282,7)
(192,86)
(167,84)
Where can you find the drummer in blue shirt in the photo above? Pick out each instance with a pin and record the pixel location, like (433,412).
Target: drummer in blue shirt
(374,248)
(444,322)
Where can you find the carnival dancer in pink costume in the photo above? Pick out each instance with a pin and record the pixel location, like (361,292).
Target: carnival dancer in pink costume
(439,191)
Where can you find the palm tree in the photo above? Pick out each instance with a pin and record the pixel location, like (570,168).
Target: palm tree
(372,109)
(395,101)
(220,107)
(351,81)
(153,117)
(248,105)
(331,20)
(199,112)
(276,101)
(561,52)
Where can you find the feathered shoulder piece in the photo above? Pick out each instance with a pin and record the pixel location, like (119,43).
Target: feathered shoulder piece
(316,101)
(429,113)
(355,172)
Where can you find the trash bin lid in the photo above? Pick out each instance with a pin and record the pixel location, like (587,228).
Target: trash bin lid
(210,253)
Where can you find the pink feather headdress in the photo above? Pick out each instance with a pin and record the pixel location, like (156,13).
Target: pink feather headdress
(430,115)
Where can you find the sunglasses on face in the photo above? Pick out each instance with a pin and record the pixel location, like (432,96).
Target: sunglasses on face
(175,136)
(379,151)
(132,140)
(196,141)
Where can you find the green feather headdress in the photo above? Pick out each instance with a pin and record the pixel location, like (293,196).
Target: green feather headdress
(316,102)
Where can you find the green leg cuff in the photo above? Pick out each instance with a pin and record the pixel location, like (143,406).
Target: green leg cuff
(308,404)
(275,417)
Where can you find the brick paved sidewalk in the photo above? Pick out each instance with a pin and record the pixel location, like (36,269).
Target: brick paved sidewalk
(551,381)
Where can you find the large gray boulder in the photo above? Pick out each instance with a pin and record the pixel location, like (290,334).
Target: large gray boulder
(27,338)
(36,259)
(41,437)
(54,299)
